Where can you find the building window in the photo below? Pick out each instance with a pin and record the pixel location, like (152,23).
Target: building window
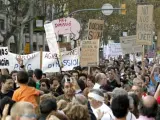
(1,24)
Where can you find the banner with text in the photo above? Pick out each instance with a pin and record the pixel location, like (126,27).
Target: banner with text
(89,53)
(145,25)
(128,45)
(5,62)
(112,50)
(95,29)
(49,64)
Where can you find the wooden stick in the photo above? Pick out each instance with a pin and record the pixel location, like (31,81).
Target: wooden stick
(41,57)
(143,63)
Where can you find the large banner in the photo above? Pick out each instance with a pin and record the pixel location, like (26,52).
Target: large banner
(145,25)
(128,45)
(49,61)
(95,29)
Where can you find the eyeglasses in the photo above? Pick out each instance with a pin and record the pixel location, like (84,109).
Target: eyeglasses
(29,116)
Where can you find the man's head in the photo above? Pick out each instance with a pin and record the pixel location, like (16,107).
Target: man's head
(111,72)
(120,106)
(23,111)
(75,74)
(22,77)
(137,82)
(48,106)
(43,75)
(54,82)
(6,83)
(96,98)
(37,74)
(148,107)
(14,74)
(101,78)
(137,90)
(44,85)
(83,77)
(95,71)
(68,87)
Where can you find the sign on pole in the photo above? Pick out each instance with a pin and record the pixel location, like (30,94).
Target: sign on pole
(89,53)
(144,25)
(51,39)
(129,46)
(95,29)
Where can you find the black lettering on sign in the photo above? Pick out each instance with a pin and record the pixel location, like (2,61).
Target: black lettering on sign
(145,10)
(90,36)
(4,62)
(3,52)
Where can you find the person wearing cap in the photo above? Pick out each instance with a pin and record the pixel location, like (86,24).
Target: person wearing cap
(100,109)
(120,92)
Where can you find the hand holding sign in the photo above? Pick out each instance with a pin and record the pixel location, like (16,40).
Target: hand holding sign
(20,61)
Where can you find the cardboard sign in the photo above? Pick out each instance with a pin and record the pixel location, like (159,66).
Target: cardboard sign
(89,53)
(4,60)
(51,39)
(66,45)
(145,25)
(128,45)
(95,29)
(65,26)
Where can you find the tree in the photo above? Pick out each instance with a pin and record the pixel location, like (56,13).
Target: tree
(17,15)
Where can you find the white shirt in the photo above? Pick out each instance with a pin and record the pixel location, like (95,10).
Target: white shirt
(96,86)
(130,116)
(108,115)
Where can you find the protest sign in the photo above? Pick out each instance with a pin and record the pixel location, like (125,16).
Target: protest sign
(30,61)
(89,53)
(145,25)
(51,39)
(128,45)
(112,50)
(49,61)
(95,29)
(65,26)
(5,62)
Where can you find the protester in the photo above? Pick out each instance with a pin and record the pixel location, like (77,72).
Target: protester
(120,107)
(148,108)
(25,93)
(6,86)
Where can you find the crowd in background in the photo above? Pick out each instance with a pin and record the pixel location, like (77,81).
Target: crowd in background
(117,89)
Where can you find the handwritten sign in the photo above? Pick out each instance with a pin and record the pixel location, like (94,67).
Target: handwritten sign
(89,53)
(145,25)
(4,60)
(65,26)
(128,45)
(112,50)
(95,29)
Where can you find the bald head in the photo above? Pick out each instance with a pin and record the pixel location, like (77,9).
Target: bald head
(149,101)
(148,107)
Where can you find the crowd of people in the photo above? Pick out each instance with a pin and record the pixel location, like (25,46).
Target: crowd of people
(115,90)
